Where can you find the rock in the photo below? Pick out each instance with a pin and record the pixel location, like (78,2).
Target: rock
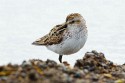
(92,68)
(95,62)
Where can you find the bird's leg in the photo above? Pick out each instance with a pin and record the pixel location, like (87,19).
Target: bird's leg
(60,58)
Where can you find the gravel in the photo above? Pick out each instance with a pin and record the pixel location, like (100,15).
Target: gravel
(92,68)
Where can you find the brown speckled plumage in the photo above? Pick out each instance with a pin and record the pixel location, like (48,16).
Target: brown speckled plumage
(54,36)
(72,16)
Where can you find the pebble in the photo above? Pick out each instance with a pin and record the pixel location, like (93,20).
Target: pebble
(92,68)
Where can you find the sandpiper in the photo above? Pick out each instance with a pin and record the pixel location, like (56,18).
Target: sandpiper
(66,38)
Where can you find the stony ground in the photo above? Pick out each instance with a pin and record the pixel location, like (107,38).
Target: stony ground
(93,68)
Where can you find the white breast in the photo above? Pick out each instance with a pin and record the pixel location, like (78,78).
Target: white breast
(72,42)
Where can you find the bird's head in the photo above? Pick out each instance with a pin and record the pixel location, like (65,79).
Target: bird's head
(75,18)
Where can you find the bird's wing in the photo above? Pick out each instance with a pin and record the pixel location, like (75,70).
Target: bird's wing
(54,36)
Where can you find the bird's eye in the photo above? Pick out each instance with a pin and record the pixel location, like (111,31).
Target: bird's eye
(72,21)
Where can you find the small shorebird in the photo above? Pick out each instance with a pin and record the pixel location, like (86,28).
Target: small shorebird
(66,38)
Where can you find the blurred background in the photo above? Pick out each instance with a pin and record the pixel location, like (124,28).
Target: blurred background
(24,21)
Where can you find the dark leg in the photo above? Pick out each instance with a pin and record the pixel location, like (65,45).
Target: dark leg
(60,58)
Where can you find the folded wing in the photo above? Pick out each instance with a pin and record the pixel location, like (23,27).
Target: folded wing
(55,36)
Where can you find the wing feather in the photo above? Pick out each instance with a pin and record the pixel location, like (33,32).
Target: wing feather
(54,36)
